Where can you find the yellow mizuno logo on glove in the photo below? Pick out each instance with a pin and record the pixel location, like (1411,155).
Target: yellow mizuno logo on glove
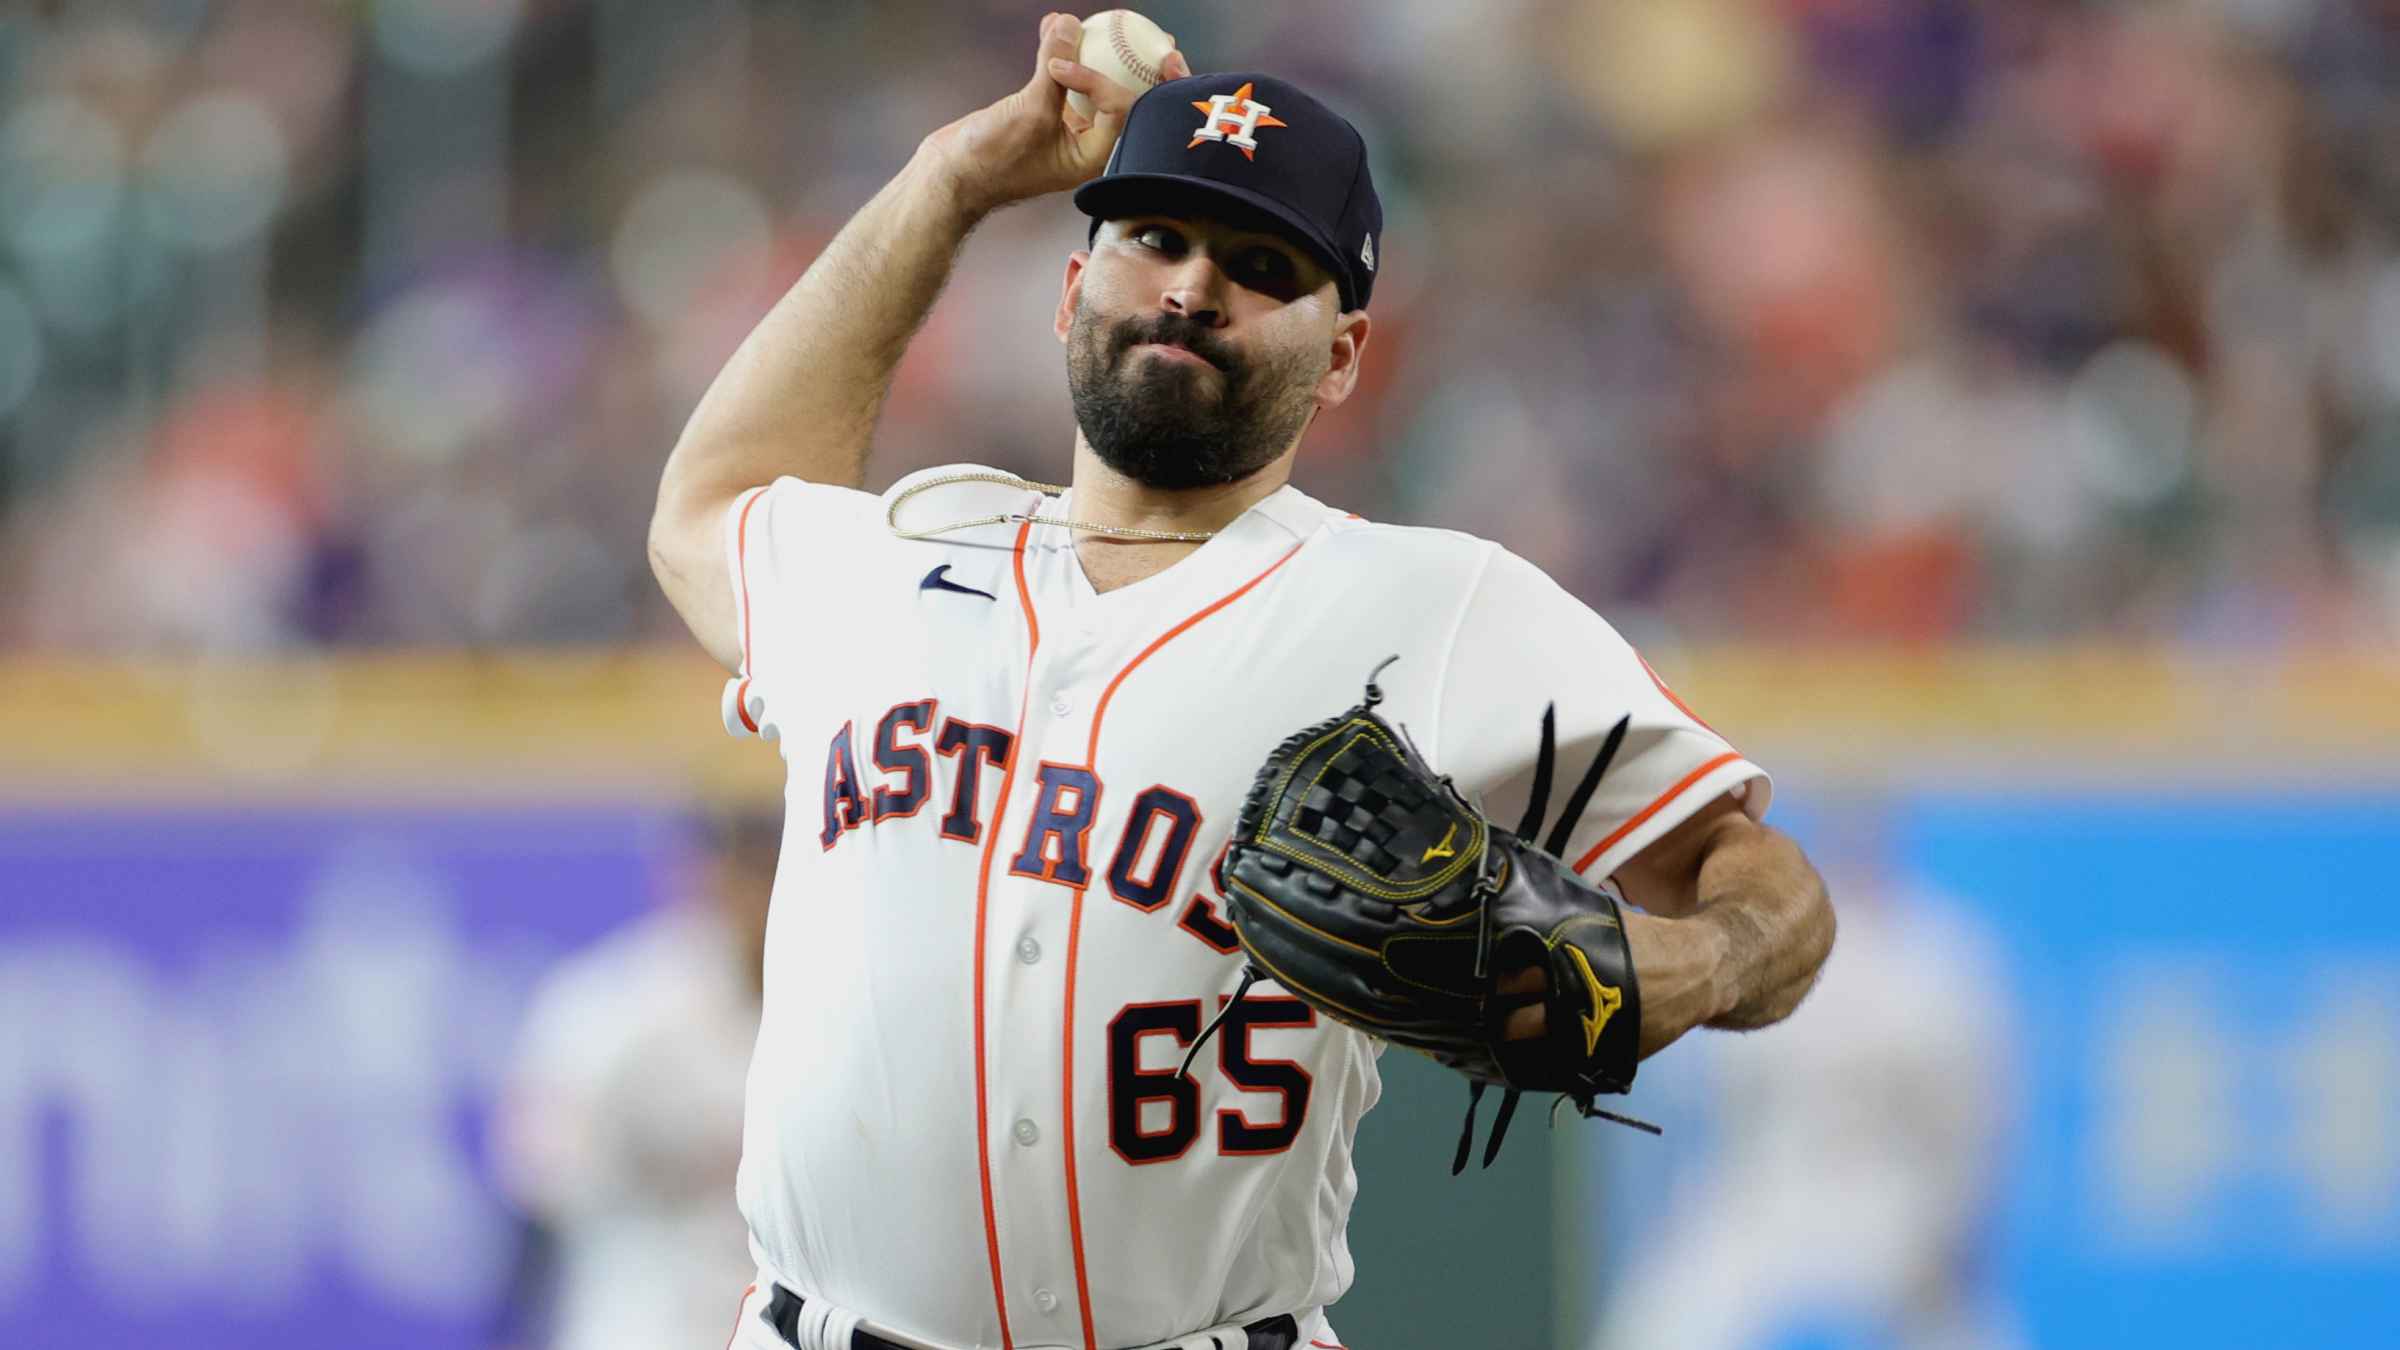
(1442,849)
(1606,999)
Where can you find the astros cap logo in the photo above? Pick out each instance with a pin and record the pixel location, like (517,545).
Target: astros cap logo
(1234,119)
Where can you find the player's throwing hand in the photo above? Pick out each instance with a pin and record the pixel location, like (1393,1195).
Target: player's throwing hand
(1030,142)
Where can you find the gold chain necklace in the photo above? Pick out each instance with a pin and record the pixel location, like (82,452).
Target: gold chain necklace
(891,515)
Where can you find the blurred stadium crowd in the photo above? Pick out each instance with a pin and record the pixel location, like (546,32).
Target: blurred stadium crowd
(370,324)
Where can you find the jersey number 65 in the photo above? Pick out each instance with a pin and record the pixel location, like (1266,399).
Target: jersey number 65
(1132,1087)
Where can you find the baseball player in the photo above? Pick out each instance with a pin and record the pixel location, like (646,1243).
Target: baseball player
(622,1115)
(1019,721)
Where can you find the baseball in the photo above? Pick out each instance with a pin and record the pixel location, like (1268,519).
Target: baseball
(1125,47)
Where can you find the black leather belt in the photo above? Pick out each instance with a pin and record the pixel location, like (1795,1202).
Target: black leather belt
(783,1314)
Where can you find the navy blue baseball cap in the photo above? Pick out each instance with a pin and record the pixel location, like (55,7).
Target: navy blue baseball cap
(1247,146)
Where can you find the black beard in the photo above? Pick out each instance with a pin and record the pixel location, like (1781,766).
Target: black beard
(1169,424)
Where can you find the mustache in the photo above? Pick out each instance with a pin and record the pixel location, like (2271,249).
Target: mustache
(1175,330)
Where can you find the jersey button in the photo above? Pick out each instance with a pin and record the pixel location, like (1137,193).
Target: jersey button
(1045,1300)
(1026,1132)
(1061,706)
(1028,950)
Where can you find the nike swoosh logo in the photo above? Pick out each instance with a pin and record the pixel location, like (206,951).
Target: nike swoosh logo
(936,581)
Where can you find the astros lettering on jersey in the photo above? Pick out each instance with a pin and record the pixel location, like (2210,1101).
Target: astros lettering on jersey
(997,923)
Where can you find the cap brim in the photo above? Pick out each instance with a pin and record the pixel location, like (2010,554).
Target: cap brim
(1166,194)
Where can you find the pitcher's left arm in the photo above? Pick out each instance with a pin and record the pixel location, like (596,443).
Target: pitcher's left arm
(1735,924)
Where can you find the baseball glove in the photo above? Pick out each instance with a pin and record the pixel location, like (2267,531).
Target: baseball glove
(1364,883)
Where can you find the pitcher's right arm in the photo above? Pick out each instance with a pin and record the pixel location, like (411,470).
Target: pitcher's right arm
(802,394)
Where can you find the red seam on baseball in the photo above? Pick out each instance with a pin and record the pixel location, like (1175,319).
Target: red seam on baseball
(1142,69)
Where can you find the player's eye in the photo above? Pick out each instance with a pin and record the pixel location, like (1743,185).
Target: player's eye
(1159,237)
(1268,271)
(1263,265)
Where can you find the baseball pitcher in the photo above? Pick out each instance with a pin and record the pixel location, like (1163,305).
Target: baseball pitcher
(1023,726)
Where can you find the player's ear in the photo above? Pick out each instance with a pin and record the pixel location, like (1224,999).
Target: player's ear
(1350,333)
(1069,292)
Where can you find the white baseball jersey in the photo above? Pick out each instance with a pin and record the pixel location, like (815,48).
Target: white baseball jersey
(996,924)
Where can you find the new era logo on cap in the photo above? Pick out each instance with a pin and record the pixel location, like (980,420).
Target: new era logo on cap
(1311,184)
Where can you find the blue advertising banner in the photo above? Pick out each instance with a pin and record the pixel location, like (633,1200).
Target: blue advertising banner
(2084,1071)
(2210,1008)
(247,1059)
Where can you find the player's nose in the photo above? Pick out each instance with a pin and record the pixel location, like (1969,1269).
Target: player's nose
(1195,289)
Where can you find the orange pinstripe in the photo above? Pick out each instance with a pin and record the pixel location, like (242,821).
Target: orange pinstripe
(1093,751)
(1671,696)
(1091,759)
(741,554)
(737,1317)
(983,892)
(1655,807)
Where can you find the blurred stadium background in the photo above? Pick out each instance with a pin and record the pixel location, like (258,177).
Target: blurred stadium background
(1987,413)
